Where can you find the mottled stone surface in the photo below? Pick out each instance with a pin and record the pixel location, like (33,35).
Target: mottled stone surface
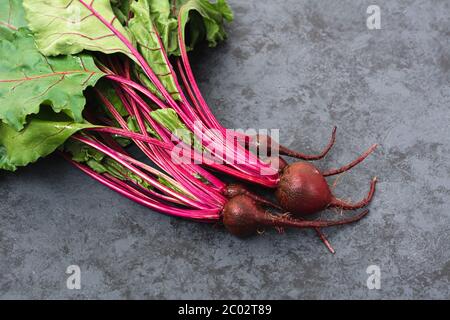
(301,66)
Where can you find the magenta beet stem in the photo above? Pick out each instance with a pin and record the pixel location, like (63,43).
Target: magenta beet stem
(206,215)
(191,113)
(191,78)
(194,99)
(138,87)
(140,59)
(133,135)
(139,191)
(119,158)
(149,72)
(241,155)
(203,193)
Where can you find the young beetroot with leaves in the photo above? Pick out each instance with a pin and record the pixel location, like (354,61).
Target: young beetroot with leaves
(148,104)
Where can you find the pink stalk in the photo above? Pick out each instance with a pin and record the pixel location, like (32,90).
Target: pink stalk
(200,110)
(140,59)
(204,191)
(263,181)
(255,178)
(132,135)
(189,111)
(139,191)
(119,158)
(206,215)
(148,71)
(191,78)
(239,154)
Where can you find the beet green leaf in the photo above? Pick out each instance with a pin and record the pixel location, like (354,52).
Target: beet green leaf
(201,19)
(12,16)
(28,79)
(71,26)
(42,135)
(143,29)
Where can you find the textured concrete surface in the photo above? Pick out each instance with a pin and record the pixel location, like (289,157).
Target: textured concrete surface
(302,66)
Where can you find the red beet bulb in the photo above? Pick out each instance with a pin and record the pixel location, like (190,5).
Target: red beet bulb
(303,190)
(243,217)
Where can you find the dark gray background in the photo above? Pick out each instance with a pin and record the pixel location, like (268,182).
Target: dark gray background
(301,66)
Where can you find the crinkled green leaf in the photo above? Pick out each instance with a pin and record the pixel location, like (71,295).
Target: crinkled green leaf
(212,15)
(12,17)
(202,19)
(101,163)
(134,126)
(121,9)
(29,79)
(105,87)
(82,152)
(42,135)
(171,185)
(169,119)
(201,178)
(69,27)
(143,29)
(164,15)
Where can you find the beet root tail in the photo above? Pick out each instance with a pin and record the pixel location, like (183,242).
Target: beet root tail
(277,221)
(319,233)
(338,203)
(352,164)
(298,155)
(235,189)
(262,200)
(325,241)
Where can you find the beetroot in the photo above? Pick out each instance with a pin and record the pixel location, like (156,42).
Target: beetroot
(234,190)
(255,142)
(243,217)
(302,188)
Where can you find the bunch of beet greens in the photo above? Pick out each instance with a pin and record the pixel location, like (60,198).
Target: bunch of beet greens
(89,78)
